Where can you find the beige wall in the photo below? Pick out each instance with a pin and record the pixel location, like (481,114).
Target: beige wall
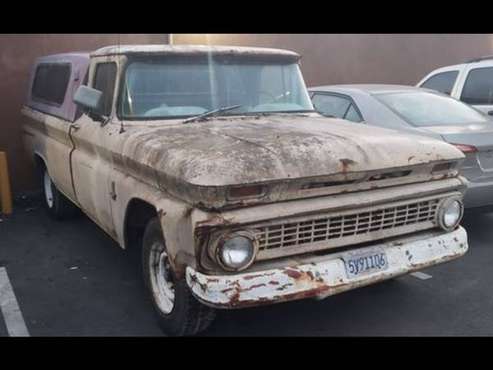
(327,59)
(17,52)
(363,58)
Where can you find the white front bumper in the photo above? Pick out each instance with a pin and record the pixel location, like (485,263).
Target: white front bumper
(325,277)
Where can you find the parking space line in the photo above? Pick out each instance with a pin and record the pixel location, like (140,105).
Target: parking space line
(12,314)
(420,275)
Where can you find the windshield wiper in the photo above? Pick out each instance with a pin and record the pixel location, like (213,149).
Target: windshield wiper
(211,113)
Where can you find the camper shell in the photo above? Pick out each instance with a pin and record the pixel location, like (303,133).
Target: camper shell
(75,67)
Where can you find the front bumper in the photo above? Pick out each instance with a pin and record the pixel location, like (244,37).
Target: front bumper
(326,275)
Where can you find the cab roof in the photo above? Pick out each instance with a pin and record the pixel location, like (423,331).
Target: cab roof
(196,50)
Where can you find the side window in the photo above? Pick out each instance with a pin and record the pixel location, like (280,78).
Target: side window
(331,105)
(336,106)
(50,83)
(104,81)
(442,82)
(353,115)
(478,88)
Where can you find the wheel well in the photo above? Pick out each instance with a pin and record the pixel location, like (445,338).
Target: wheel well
(39,166)
(39,162)
(138,214)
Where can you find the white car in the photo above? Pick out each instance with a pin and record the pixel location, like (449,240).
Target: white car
(471,82)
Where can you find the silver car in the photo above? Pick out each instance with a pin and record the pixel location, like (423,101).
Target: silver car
(423,112)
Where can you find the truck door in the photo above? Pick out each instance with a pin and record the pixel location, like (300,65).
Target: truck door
(477,89)
(91,158)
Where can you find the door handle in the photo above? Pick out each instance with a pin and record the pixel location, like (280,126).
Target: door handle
(75,126)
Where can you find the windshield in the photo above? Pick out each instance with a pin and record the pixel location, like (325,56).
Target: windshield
(158,88)
(421,108)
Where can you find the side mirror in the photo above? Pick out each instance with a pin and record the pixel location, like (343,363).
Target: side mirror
(90,100)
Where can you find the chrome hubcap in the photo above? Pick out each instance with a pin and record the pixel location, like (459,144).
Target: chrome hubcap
(48,189)
(161,278)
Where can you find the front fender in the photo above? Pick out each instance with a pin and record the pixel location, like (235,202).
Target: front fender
(174,216)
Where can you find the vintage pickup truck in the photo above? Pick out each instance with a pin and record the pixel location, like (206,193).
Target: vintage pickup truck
(212,162)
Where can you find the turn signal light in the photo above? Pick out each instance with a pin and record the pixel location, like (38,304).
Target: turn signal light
(465,148)
(440,167)
(246,191)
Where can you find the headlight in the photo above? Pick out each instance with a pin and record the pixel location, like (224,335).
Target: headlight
(235,251)
(450,213)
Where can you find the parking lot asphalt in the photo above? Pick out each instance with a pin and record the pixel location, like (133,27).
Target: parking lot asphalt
(71,279)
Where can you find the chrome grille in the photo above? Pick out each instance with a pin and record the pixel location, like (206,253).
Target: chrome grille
(342,229)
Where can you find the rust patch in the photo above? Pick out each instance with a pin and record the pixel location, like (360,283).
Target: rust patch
(214,221)
(252,287)
(188,212)
(409,255)
(303,276)
(250,277)
(346,163)
(284,286)
(235,299)
(293,273)
(194,280)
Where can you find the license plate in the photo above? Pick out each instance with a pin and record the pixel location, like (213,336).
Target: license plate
(363,263)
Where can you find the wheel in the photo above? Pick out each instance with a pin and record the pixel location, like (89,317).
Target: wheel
(58,206)
(178,312)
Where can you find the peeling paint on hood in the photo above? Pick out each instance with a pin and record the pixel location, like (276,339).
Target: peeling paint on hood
(243,150)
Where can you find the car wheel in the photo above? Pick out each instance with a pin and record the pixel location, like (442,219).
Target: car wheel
(178,312)
(58,206)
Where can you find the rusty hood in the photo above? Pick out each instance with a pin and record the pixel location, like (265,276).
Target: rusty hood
(227,151)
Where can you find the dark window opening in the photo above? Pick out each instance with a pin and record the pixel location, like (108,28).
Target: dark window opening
(336,106)
(50,83)
(442,82)
(478,89)
(104,81)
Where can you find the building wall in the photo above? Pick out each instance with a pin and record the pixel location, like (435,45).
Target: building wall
(363,58)
(17,52)
(327,59)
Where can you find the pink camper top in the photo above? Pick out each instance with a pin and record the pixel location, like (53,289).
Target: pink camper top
(76,65)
